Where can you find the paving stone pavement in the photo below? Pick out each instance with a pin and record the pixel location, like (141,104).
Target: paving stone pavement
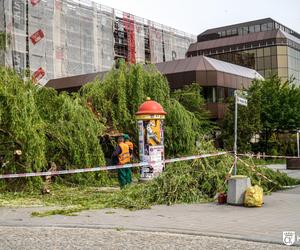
(74,238)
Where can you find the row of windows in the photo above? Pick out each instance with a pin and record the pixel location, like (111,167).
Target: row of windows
(217,94)
(282,72)
(265,48)
(260,52)
(296,75)
(294,53)
(294,63)
(247,29)
(261,59)
(250,61)
(221,94)
(255,28)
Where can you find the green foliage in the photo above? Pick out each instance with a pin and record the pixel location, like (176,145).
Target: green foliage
(248,124)
(198,181)
(273,107)
(192,100)
(48,128)
(21,128)
(72,130)
(72,133)
(123,90)
(2,40)
(181,129)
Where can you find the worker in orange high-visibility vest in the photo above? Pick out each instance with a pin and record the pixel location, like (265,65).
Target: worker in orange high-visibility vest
(129,143)
(123,157)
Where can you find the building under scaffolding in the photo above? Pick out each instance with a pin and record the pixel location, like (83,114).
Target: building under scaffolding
(58,38)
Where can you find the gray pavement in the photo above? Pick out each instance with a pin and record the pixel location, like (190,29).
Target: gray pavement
(75,238)
(281,212)
(207,226)
(282,168)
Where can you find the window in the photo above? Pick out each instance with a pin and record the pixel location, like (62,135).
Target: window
(251,29)
(209,94)
(270,26)
(230,92)
(267,62)
(234,32)
(257,28)
(264,27)
(267,51)
(220,94)
(260,52)
(241,31)
(217,94)
(273,50)
(274,62)
(260,63)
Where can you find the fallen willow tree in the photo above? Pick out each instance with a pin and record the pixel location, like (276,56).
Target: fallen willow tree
(60,131)
(182,182)
(117,98)
(196,181)
(41,130)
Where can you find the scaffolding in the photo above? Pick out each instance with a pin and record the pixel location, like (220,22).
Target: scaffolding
(57,38)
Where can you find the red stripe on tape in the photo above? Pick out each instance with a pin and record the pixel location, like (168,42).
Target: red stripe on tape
(269,156)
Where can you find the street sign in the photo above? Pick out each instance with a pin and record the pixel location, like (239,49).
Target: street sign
(242,101)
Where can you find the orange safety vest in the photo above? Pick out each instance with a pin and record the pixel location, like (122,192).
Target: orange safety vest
(130,145)
(124,157)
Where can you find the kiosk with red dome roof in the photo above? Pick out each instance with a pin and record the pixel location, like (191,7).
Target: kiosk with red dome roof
(150,118)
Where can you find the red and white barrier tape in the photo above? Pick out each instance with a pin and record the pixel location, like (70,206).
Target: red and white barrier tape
(85,170)
(193,157)
(268,156)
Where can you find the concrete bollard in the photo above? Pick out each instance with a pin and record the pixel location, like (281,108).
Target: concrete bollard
(237,186)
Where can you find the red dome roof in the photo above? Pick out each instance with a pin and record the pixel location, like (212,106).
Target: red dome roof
(150,107)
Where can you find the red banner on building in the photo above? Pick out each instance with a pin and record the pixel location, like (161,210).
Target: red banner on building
(37,36)
(34,2)
(129,26)
(38,74)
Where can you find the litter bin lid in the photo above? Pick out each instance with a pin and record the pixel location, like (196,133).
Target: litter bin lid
(238,177)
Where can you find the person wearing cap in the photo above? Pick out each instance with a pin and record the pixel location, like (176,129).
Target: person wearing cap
(122,156)
(129,143)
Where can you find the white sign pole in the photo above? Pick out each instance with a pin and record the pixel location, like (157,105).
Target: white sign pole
(235,132)
(298,143)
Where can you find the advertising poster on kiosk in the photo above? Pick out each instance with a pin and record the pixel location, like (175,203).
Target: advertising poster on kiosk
(153,148)
(150,120)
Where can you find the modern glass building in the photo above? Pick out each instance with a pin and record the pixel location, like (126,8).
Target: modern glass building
(264,45)
(218,79)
